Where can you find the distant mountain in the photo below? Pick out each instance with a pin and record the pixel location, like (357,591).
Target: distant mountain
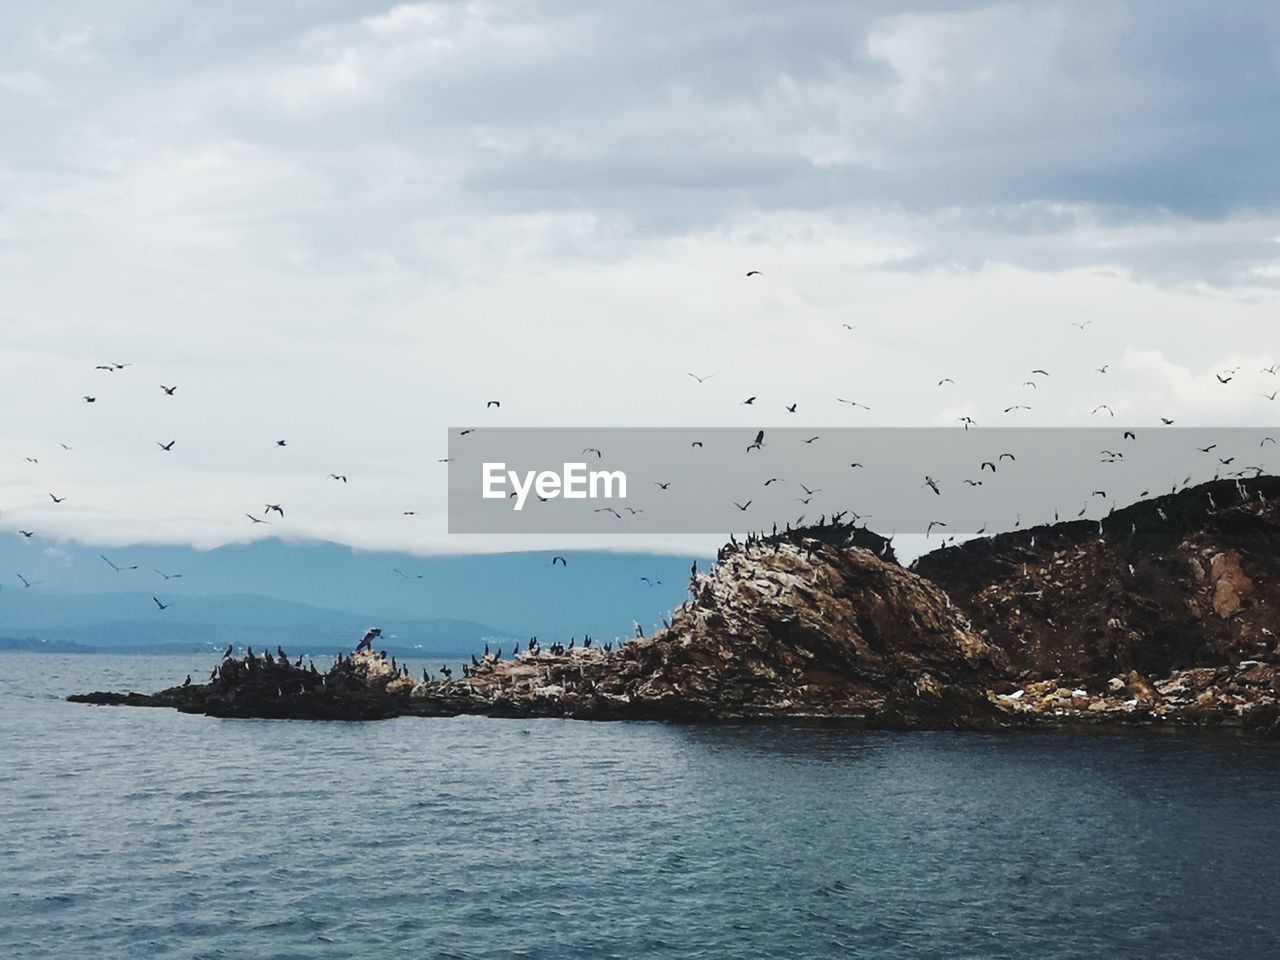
(281,585)
(38,645)
(128,621)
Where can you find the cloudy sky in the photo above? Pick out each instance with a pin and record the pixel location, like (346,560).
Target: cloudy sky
(350,224)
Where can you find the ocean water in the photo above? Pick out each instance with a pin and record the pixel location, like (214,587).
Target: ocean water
(145,833)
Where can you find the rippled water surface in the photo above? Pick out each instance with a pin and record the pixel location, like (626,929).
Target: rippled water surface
(145,833)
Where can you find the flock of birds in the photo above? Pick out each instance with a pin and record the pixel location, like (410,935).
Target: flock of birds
(1031,383)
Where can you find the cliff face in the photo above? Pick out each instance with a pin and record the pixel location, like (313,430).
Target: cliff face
(1181,592)
(1167,611)
(788,627)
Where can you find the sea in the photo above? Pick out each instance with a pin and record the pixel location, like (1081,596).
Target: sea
(144,833)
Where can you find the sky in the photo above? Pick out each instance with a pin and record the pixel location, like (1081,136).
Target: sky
(349,225)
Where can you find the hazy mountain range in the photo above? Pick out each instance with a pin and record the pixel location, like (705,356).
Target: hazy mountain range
(319,597)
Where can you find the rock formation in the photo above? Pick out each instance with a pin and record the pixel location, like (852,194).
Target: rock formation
(1165,612)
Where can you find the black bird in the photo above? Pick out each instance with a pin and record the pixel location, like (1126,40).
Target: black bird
(754,273)
(170,576)
(27,584)
(163,606)
(985,464)
(772,480)
(742,506)
(931,484)
(932,524)
(274,506)
(945,380)
(280,652)
(338,476)
(660,485)
(114,567)
(1222,379)
(852,403)
(168,391)
(747,402)
(757,443)
(281,443)
(56,499)
(608,510)
(587,450)
(166,447)
(702,379)
(1009,455)
(1208,448)
(791,407)
(90,399)
(811,439)
(561,560)
(1130,435)
(27,533)
(809,492)
(227,655)
(255,519)
(1166,421)
(493,403)
(187,682)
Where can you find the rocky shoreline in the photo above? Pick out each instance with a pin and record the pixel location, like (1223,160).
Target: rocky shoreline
(1165,613)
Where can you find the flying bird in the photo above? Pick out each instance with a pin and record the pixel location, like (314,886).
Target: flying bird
(932,484)
(747,402)
(28,534)
(169,576)
(90,399)
(270,507)
(1103,406)
(702,379)
(27,584)
(560,560)
(164,606)
(791,407)
(852,403)
(168,391)
(114,567)
(493,403)
(1222,379)
(255,519)
(945,380)
(660,485)
(338,476)
(742,506)
(166,447)
(757,443)
(587,450)
(281,443)
(754,273)
(56,499)
(932,524)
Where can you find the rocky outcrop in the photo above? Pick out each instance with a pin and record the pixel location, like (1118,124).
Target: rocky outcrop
(1166,612)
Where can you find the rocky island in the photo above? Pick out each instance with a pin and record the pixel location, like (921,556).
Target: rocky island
(1165,612)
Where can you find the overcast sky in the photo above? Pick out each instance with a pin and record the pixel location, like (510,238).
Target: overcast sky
(349,225)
